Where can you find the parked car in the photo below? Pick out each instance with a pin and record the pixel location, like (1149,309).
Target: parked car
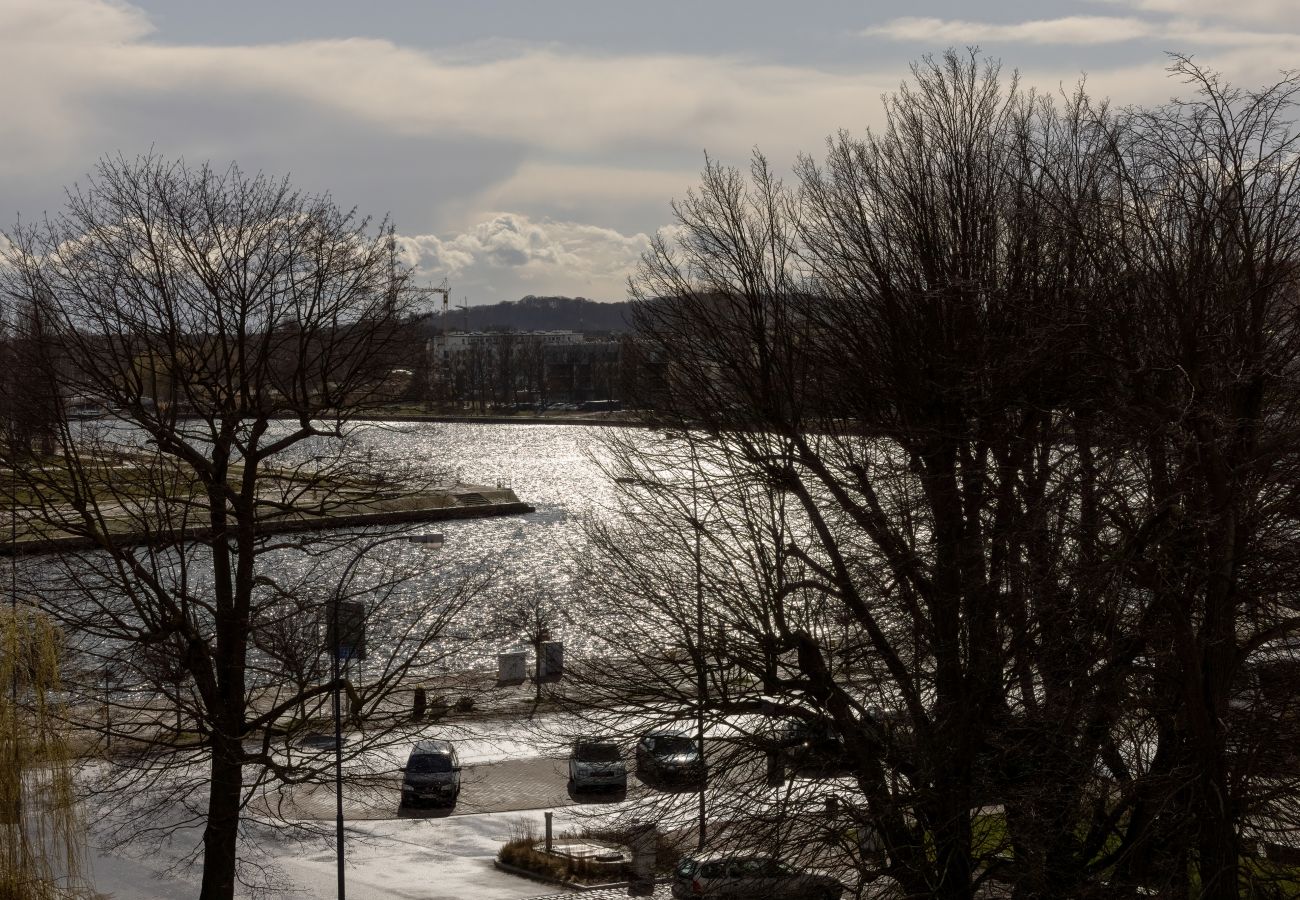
(432,774)
(757,877)
(811,745)
(669,756)
(596,765)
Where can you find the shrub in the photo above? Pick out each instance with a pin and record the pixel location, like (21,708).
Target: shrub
(520,851)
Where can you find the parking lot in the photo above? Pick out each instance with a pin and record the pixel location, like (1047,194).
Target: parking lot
(503,786)
(509,785)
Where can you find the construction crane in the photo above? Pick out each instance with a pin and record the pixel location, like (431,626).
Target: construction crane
(443,289)
(437,373)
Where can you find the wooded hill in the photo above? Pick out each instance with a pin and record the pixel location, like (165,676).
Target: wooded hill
(533,313)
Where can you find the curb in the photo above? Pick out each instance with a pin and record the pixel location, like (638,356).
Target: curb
(575,887)
(501,420)
(531,875)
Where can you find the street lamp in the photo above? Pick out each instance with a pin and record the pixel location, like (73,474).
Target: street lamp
(434,542)
(701,668)
(701,672)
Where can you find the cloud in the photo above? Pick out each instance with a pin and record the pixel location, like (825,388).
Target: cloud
(1082,30)
(78,56)
(47,47)
(563,102)
(73,23)
(593,191)
(511,254)
(1280,13)
(558,136)
(1067,30)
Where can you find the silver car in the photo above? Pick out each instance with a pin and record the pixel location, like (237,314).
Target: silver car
(597,765)
(756,877)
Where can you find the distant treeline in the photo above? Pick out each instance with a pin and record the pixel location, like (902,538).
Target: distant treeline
(533,313)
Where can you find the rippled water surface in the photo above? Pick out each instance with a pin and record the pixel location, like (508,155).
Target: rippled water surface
(551,467)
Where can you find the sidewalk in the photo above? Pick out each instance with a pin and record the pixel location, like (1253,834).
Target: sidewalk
(450,859)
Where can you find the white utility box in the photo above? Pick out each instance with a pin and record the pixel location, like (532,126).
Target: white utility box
(512,666)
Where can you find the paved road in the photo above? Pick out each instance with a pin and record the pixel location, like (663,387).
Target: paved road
(661,892)
(503,786)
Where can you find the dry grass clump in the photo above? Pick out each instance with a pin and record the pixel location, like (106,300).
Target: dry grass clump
(520,851)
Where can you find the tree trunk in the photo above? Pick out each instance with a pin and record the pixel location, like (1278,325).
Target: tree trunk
(222,831)
(952,838)
(1217,844)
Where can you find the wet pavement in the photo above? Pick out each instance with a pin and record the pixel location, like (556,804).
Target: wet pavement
(503,786)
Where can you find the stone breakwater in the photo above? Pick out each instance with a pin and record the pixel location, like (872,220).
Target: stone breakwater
(461,502)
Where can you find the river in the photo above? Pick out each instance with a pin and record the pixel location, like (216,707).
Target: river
(551,467)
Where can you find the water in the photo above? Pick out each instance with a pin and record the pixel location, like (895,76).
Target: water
(522,563)
(551,467)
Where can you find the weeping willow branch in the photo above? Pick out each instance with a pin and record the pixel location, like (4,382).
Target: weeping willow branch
(40,833)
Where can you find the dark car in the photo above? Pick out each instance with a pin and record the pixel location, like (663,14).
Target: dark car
(756,877)
(669,756)
(597,765)
(812,745)
(431,775)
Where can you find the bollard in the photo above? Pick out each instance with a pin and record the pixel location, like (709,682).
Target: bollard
(548,831)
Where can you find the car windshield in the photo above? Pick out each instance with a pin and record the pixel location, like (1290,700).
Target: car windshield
(674,744)
(596,753)
(429,764)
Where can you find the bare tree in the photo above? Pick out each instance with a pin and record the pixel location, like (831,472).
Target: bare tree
(506,347)
(534,614)
(989,412)
(877,350)
(1202,255)
(28,397)
(235,326)
(532,368)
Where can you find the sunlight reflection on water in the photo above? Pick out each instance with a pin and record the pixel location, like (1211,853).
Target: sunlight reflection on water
(549,467)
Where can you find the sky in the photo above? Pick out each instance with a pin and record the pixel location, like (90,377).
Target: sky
(534,146)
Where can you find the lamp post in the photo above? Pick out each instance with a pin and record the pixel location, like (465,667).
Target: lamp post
(701,668)
(701,672)
(433,541)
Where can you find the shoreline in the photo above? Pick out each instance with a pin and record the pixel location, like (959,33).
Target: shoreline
(501,420)
(399,512)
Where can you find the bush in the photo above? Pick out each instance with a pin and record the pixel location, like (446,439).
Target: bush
(520,851)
